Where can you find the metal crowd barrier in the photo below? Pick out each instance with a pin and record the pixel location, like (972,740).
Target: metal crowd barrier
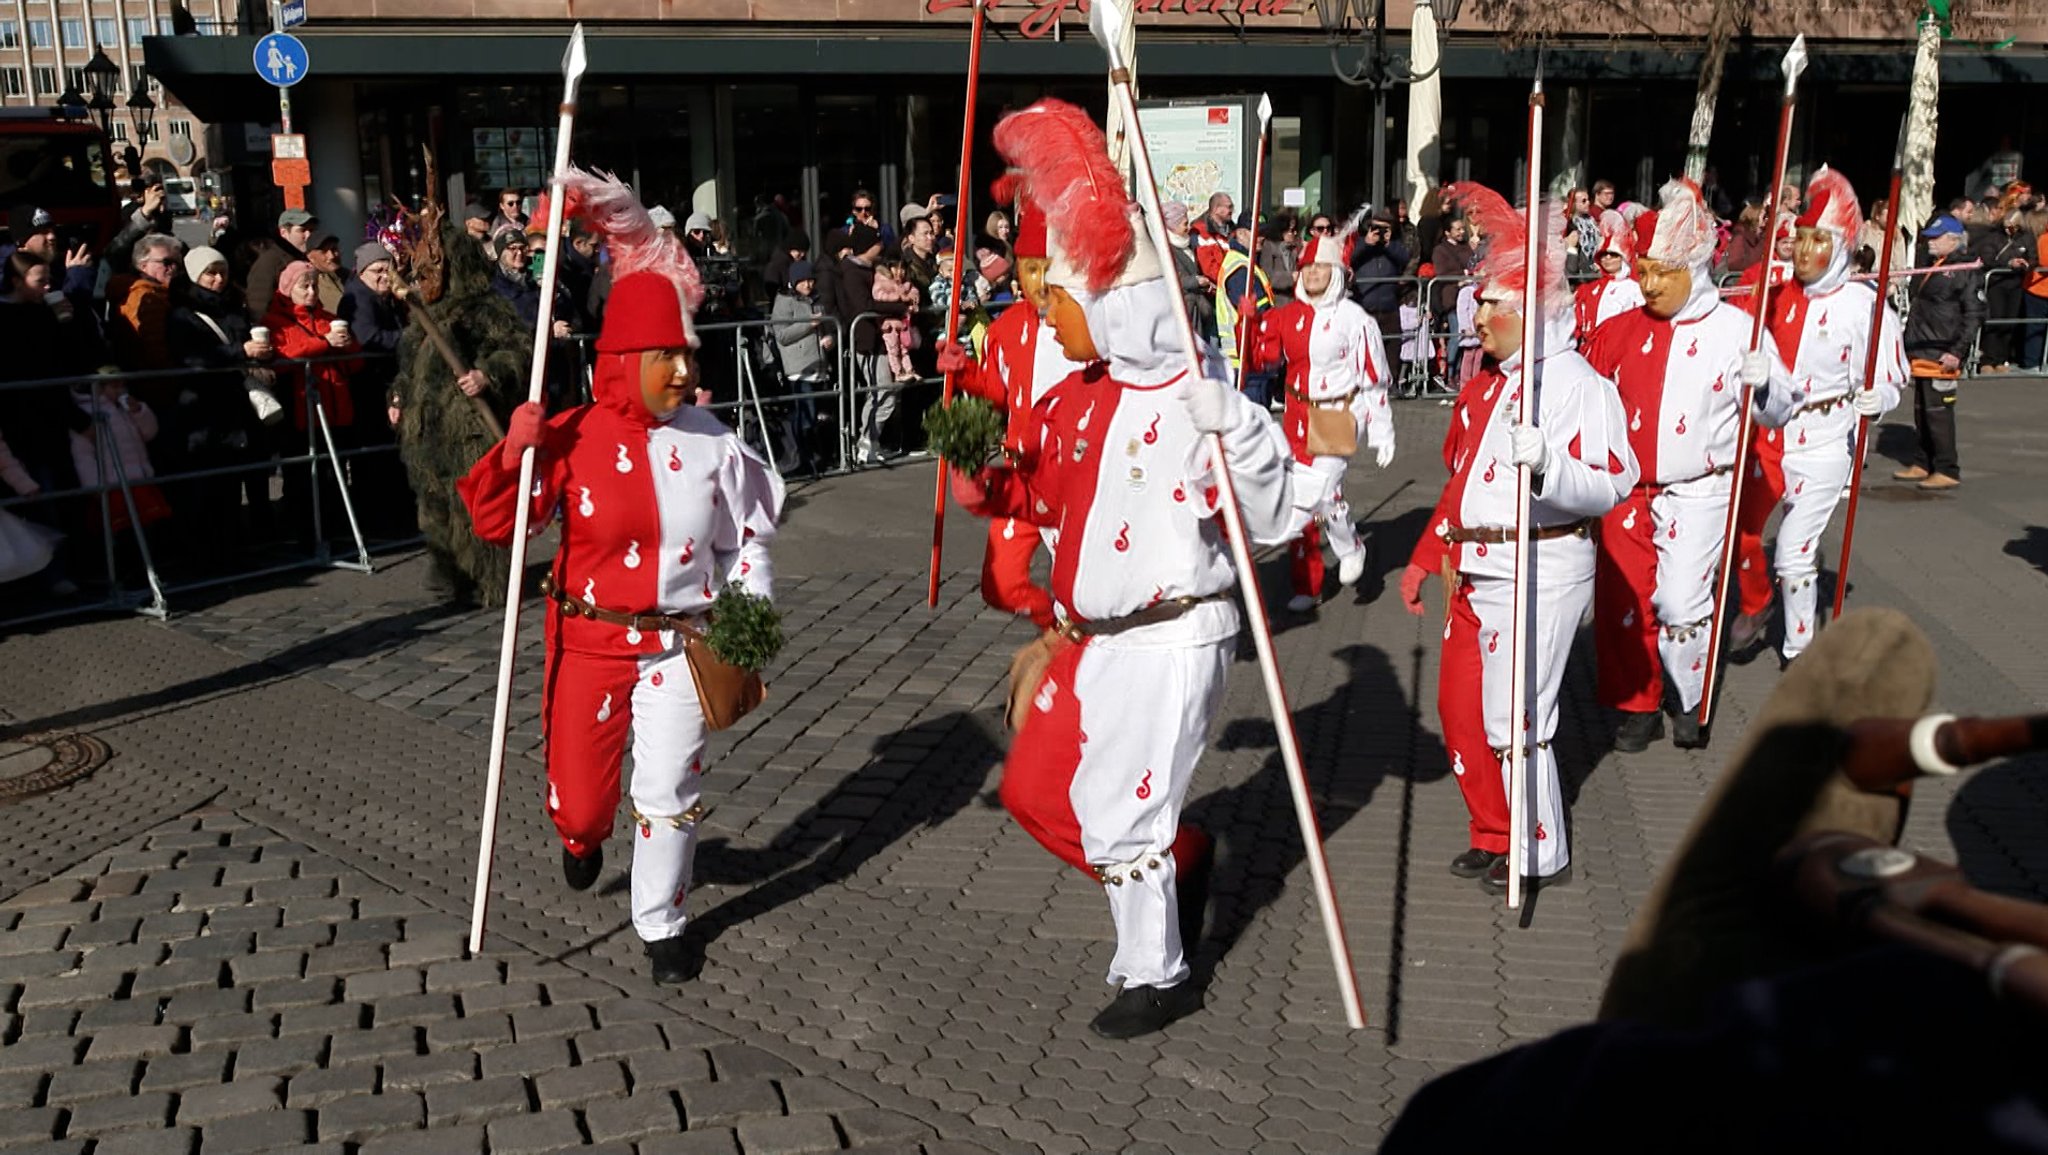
(2018,322)
(156,601)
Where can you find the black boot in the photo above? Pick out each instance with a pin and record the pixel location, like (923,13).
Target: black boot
(1496,879)
(1475,862)
(579,872)
(674,960)
(1687,733)
(1143,1010)
(1191,886)
(1637,731)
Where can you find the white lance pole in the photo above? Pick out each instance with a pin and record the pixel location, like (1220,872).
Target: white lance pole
(573,64)
(1520,721)
(1103,21)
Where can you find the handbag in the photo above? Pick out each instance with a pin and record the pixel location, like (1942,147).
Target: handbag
(1027,670)
(1921,367)
(1332,432)
(725,692)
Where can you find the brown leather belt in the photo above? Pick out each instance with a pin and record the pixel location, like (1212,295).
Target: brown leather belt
(1336,402)
(1165,611)
(1502,535)
(1653,488)
(572,606)
(1828,405)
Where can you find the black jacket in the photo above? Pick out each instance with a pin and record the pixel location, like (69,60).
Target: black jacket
(855,284)
(1947,308)
(377,323)
(1375,263)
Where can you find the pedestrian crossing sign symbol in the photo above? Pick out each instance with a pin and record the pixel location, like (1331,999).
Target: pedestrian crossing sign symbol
(281,60)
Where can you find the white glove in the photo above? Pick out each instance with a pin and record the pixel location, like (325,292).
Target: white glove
(1529,448)
(1756,369)
(1211,406)
(1384,455)
(1867,403)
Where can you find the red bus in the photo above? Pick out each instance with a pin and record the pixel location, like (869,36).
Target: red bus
(63,166)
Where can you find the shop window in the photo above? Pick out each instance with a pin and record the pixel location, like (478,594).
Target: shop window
(11,82)
(39,34)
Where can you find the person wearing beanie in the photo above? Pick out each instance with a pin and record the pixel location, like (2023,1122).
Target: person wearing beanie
(804,343)
(1821,320)
(1337,378)
(476,221)
(211,330)
(294,233)
(376,319)
(1195,285)
(303,331)
(661,506)
(1021,362)
(775,273)
(1614,291)
(1577,450)
(514,281)
(1117,473)
(1680,362)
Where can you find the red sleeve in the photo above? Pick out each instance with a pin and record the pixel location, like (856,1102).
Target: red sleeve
(1603,350)
(1431,549)
(293,341)
(1009,495)
(490,490)
(1269,348)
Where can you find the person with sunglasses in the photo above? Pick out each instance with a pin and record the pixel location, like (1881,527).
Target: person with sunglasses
(863,213)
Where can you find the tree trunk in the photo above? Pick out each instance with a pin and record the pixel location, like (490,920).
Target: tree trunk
(1720,29)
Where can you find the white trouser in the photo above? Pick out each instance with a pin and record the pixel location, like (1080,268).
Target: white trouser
(1333,512)
(1145,717)
(881,399)
(1563,589)
(1813,487)
(1691,519)
(668,771)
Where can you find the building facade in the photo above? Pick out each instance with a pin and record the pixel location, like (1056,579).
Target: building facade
(766,110)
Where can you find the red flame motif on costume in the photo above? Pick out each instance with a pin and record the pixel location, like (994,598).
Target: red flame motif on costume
(707,587)
(1542,835)
(1802,437)
(1693,350)
(1721,383)
(1158,595)
(1800,487)
(656,679)
(1673,532)
(1681,425)
(1805,546)
(1145,786)
(682,892)
(689,550)
(1801,629)
(1481,548)
(746,567)
(1123,539)
(1152,431)
(1180,493)
(625,463)
(646,831)
(1493,642)
(675,460)
(1489,470)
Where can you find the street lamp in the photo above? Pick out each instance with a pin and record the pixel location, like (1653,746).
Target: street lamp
(1376,68)
(143,109)
(102,76)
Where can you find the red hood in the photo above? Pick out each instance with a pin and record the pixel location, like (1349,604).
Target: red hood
(615,384)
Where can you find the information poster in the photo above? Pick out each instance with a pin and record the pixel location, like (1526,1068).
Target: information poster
(1201,147)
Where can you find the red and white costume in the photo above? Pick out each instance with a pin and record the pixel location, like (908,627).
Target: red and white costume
(1335,357)
(1591,469)
(1823,329)
(1680,381)
(1606,297)
(1020,363)
(1122,484)
(657,515)
(1764,488)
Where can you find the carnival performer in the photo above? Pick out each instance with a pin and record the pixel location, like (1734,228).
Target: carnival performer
(1580,464)
(1615,290)
(1821,323)
(661,506)
(1123,480)
(1337,364)
(1679,362)
(1020,363)
(1764,487)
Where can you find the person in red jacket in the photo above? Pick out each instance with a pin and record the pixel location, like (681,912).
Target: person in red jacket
(1020,364)
(661,506)
(300,328)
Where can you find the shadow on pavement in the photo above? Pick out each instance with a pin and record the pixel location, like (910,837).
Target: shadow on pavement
(1995,824)
(1352,743)
(2030,547)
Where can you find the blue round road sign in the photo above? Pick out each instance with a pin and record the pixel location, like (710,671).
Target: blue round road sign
(281,60)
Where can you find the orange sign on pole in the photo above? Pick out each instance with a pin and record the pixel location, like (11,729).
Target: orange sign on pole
(289,168)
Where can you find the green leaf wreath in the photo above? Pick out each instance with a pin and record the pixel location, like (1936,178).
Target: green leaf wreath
(966,434)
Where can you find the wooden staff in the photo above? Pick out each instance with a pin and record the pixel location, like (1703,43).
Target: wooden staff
(1793,64)
(439,337)
(961,239)
(1105,20)
(1883,754)
(573,64)
(1873,343)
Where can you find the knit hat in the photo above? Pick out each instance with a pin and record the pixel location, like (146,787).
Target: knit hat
(370,253)
(992,265)
(861,238)
(25,221)
(201,259)
(291,275)
(1174,213)
(662,218)
(475,212)
(509,235)
(801,271)
(698,222)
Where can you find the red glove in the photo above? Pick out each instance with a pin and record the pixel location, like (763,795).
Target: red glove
(954,358)
(1411,588)
(968,489)
(527,430)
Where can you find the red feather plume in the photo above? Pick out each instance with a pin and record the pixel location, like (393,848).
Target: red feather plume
(1065,168)
(604,202)
(1503,268)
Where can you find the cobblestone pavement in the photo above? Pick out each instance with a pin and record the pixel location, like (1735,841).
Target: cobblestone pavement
(245,931)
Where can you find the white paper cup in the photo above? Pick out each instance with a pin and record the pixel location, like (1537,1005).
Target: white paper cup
(339,328)
(260,335)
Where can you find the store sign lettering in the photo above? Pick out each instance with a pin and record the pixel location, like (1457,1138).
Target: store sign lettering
(1040,15)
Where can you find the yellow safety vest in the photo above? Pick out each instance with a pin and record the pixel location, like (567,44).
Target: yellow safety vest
(1226,308)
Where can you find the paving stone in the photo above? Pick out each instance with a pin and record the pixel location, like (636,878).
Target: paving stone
(106,932)
(362,1116)
(411,1010)
(41,1055)
(340,1018)
(47,1023)
(21,1089)
(527,1058)
(550,1022)
(32,940)
(424,951)
(176,1141)
(801,1095)
(174,977)
(791,1135)
(464,975)
(92,1081)
(463,1140)
(270,967)
(250,1134)
(247,1095)
(873,1126)
(618,1042)
(642,1114)
(376,1045)
(738,1061)
(120,1013)
(30,1124)
(313,1089)
(151,1109)
(345,960)
(312,992)
(508,997)
(418,1072)
(716,1104)
(80,990)
(535,1134)
(213,948)
(477,1102)
(133,1043)
(669,1068)
(579,1085)
(280,1056)
(56,892)
(193,1006)
(711,1141)
(470,1033)
(368,988)
(231,1030)
(182,1072)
